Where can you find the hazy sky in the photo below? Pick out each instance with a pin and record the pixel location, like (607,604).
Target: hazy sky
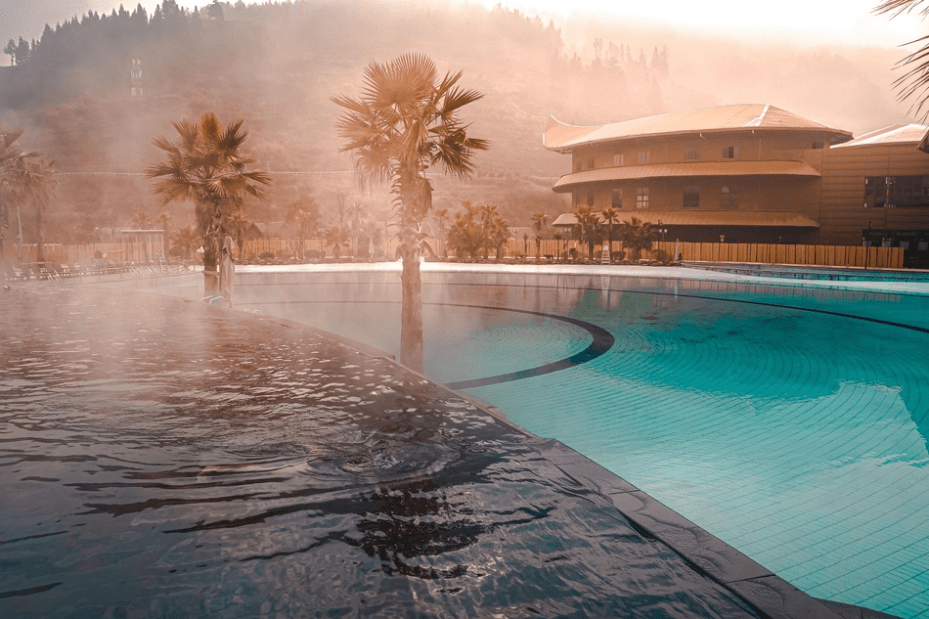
(811,20)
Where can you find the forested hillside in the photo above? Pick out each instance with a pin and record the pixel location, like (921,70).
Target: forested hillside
(278,64)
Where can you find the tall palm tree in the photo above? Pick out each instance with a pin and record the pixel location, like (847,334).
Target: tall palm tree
(589,228)
(441,222)
(539,221)
(184,241)
(238,223)
(915,82)
(610,216)
(23,177)
(37,183)
(205,165)
(305,213)
(357,213)
(405,121)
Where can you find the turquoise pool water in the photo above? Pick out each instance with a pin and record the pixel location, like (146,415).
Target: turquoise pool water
(791,423)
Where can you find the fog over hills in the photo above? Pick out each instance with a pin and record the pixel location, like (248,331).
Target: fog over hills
(277,65)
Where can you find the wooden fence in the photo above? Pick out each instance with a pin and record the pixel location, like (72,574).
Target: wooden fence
(146,251)
(133,252)
(818,255)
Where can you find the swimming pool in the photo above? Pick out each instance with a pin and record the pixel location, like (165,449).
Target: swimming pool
(790,422)
(169,459)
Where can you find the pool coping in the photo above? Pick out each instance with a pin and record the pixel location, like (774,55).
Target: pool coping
(758,587)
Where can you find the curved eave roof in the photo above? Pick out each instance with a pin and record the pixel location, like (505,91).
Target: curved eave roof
(697,217)
(691,169)
(562,137)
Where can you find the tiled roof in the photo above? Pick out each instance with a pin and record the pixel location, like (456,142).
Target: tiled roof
(562,137)
(696,217)
(696,168)
(895,134)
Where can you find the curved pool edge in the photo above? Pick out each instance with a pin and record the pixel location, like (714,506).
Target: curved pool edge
(651,272)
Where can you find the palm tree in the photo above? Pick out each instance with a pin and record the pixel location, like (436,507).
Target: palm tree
(357,213)
(637,236)
(441,222)
(238,223)
(466,235)
(184,242)
(405,121)
(489,217)
(610,216)
(305,213)
(23,177)
(205,165)
(589,228)
(335,237)
(915,82)
(165,219)
(539,221)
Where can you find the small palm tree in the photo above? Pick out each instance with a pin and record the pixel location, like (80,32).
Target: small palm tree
(205,165)
(638,236)
(405,121)
(336,237)
(466,235)
(539,221)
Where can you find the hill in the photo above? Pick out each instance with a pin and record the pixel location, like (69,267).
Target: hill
(278,64)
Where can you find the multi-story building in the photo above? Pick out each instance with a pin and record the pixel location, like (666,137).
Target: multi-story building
(752,174)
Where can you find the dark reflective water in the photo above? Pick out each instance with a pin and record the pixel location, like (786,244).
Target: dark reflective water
(168,459)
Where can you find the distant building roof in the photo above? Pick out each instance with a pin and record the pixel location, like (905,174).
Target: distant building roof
(783,219)
(895,134)
(563,137)
(696,168)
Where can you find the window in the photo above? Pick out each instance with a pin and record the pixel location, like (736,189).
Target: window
(896,191)
(590,199)
(729,198)
(641,197)
(691,196)
(818,144)
(577,165)
(617,198)
(617,160)
(642,156)
(730,152)
(691,154)
(591,164)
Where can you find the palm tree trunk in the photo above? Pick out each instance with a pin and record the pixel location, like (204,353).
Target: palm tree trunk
(40,232)
(411,313)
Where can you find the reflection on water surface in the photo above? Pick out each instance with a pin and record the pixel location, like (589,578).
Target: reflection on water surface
(162,458)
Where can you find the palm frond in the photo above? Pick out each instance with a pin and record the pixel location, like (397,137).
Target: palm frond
(899,7)
(915,82)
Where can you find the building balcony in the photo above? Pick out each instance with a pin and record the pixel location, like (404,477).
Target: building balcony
(694,169)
